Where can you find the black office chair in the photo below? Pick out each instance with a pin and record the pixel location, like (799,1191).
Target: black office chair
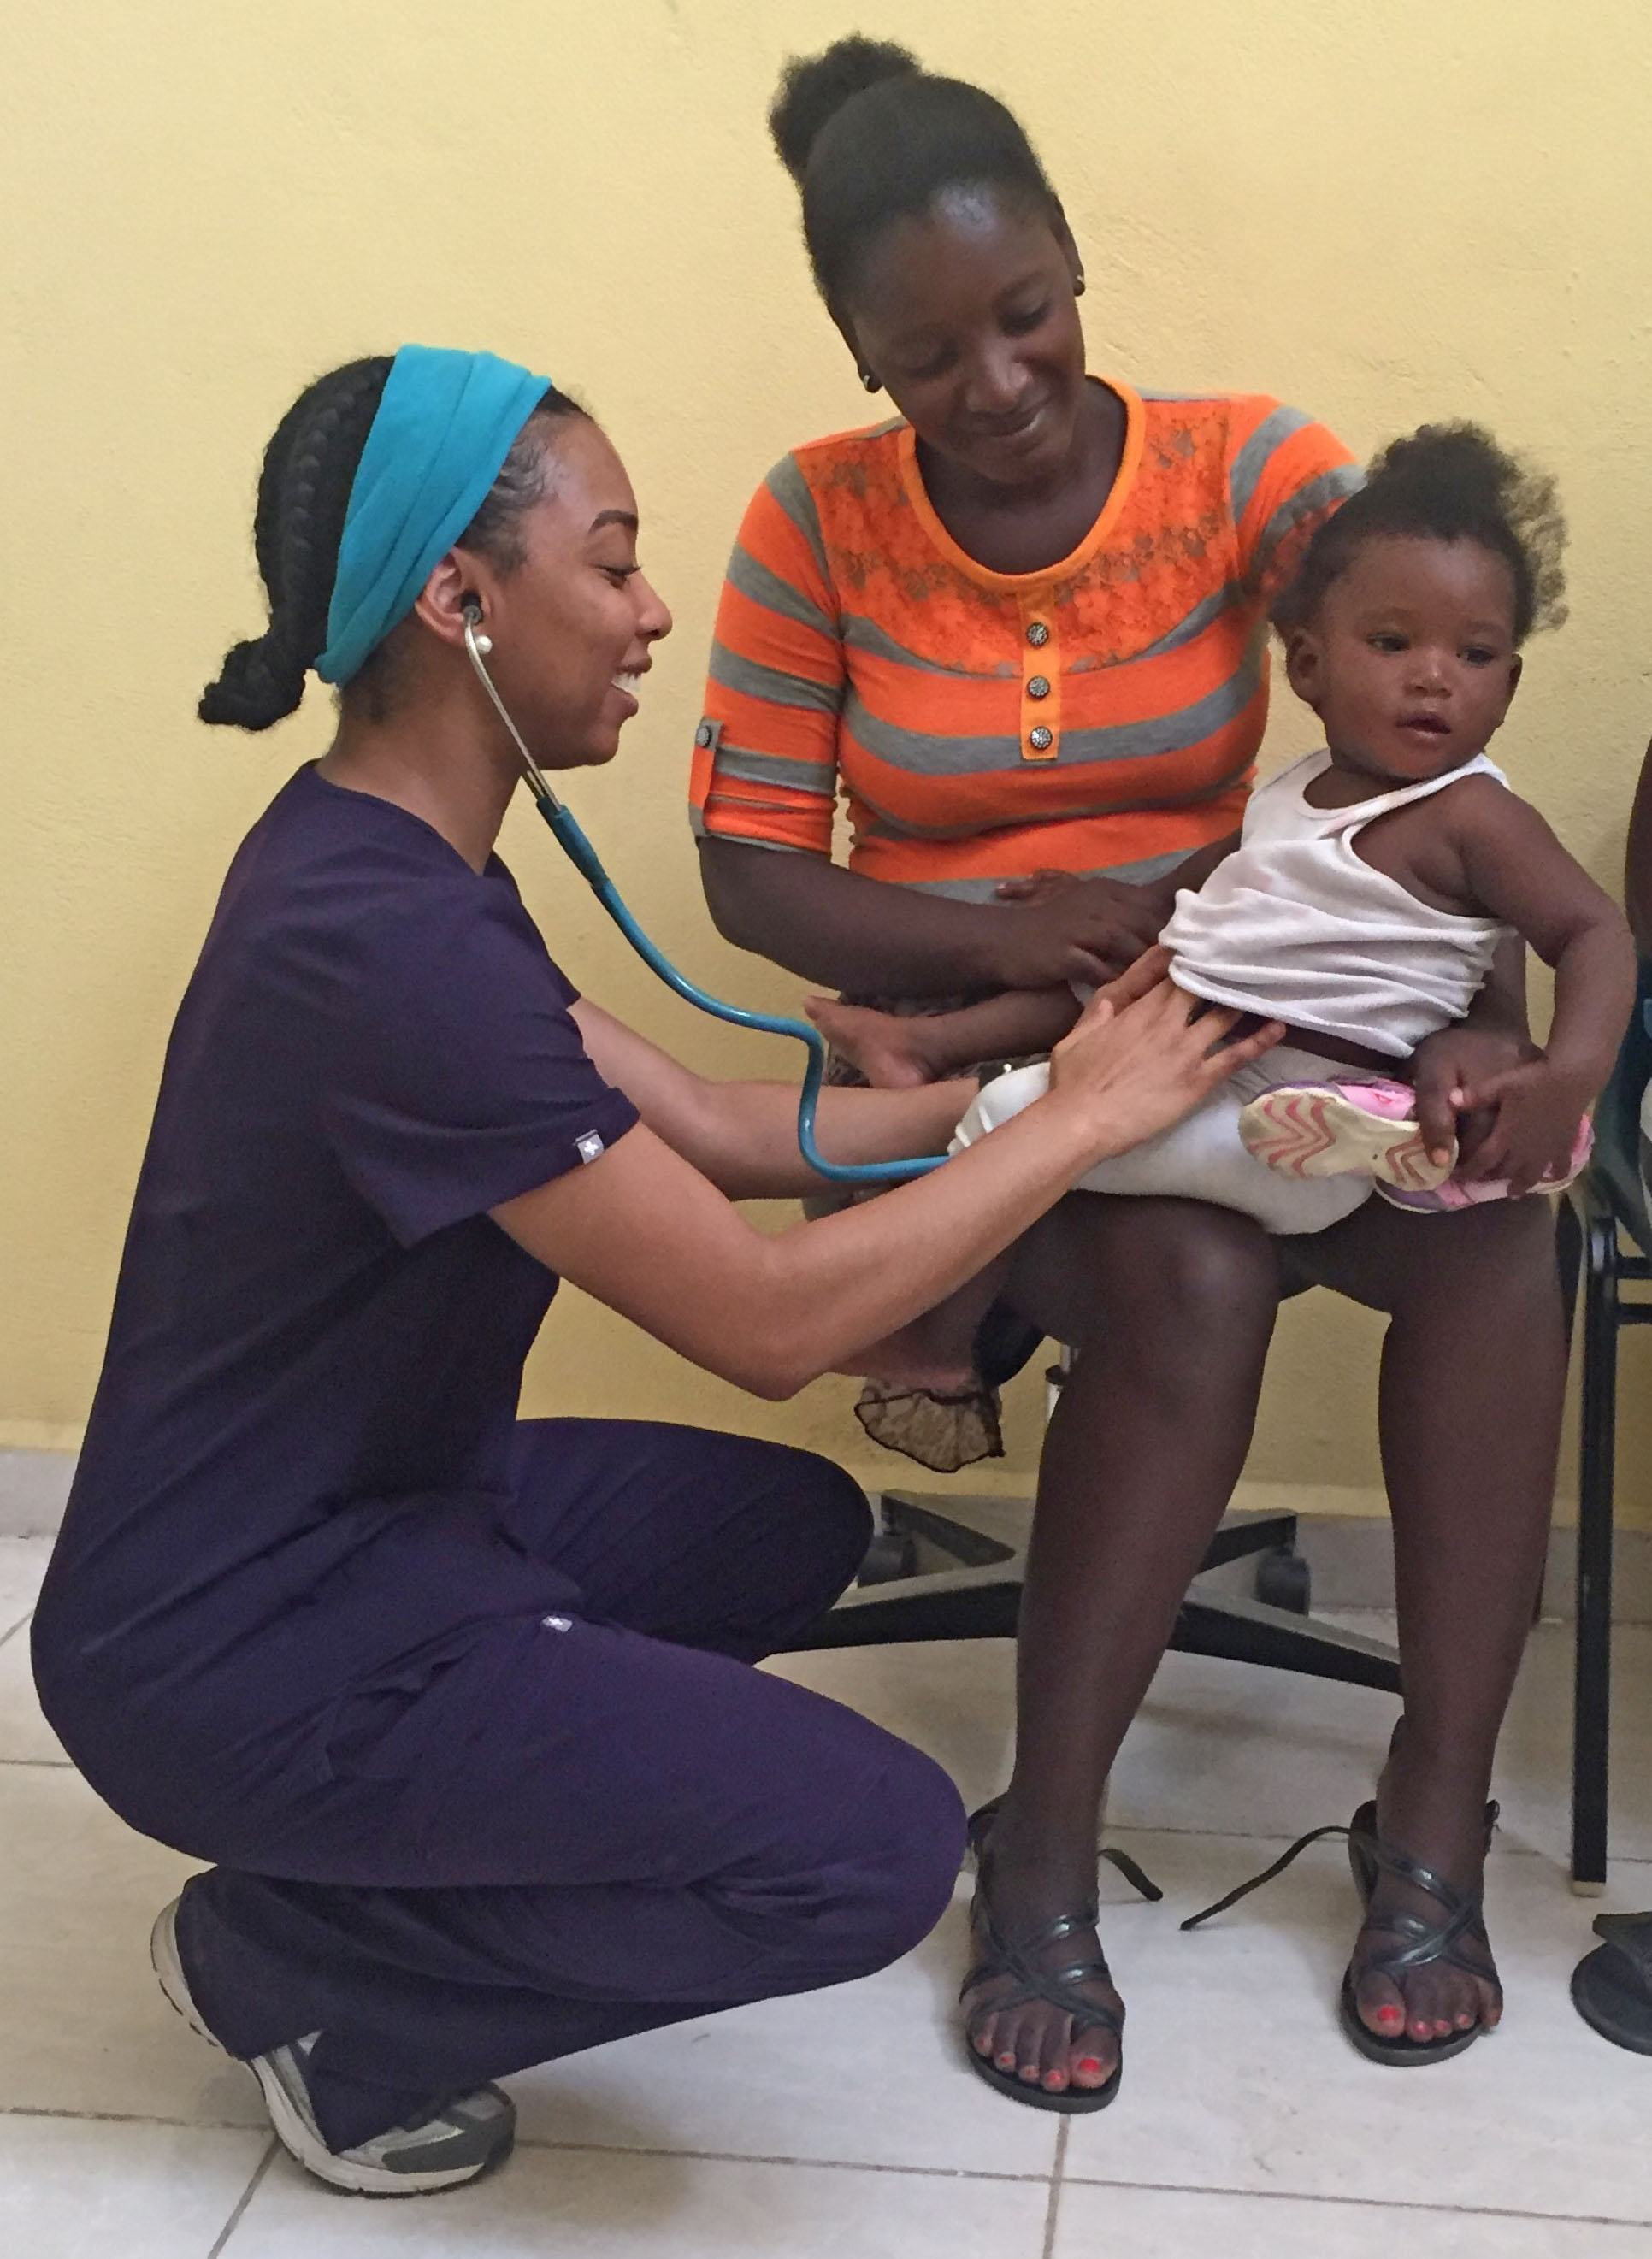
(1608,1204)
(952,1568)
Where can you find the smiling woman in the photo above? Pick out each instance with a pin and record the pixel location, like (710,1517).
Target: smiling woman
(462,1707)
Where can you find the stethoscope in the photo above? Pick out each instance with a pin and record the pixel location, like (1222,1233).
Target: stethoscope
(585,859)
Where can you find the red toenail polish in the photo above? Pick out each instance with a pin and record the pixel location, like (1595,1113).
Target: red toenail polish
(1090,2064)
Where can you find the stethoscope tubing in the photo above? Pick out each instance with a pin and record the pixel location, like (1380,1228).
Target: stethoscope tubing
(569,836)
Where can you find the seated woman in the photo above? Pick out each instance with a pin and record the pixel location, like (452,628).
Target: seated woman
(1024,623)
(461,1705)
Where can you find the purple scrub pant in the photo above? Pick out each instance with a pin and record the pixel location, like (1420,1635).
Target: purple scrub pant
(596,1821)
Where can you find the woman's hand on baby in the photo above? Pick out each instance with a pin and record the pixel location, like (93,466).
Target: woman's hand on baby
(1533,1110)
(1144,1054)
(1065,928)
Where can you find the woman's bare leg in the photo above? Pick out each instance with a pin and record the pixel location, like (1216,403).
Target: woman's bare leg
(1473,1372)
(1170,1307)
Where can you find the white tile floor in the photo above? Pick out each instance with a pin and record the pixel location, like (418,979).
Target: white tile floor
(845,2122)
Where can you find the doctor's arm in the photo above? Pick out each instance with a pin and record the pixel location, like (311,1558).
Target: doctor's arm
(645,1232)
(742,1136)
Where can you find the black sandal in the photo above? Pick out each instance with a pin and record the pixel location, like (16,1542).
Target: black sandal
(1057,1987)
(1370,1855)
(1612,1987)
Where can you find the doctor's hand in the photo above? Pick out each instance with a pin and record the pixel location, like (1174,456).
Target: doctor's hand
(1144,1054)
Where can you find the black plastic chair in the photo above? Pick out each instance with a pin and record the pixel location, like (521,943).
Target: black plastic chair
(1609,1204)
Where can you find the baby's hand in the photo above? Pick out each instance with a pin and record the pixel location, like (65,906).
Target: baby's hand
(1535,1109)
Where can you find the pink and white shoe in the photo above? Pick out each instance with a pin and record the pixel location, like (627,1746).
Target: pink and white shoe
(1466,1192)
(1343,1129)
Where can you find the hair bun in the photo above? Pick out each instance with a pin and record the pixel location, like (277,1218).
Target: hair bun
(260,683)
(813,88)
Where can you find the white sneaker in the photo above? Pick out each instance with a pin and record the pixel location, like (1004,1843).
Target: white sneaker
(454,2144)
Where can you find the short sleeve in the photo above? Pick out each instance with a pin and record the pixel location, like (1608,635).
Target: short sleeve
(1286,474)
(459,1078)
(765,751)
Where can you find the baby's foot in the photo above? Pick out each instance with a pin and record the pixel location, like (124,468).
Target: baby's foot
(1468,1192)
(1343,1129)
(889,1051)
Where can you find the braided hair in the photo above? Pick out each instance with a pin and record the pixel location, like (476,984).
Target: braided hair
(872,137)
(303,492)
(1445,482)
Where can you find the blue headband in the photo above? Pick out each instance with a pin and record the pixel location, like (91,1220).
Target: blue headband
(445,425)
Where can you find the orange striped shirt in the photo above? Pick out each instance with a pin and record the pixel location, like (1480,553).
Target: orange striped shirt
(1103,716)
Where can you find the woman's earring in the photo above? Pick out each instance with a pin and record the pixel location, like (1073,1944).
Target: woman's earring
(1078,283)
(872,384)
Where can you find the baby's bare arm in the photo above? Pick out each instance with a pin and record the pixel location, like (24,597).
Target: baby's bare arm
(1516,869)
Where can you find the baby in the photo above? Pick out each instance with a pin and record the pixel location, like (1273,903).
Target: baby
(1370,886)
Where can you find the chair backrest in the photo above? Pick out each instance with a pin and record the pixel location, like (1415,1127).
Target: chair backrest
(1617,1165)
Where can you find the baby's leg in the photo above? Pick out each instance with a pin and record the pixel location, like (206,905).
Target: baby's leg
(896,1054)
(1199,1157)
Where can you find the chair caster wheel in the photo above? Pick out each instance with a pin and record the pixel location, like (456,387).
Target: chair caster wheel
(1283,1581)
(892,1554)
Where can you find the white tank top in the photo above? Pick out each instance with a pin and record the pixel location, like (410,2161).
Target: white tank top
(1295,927)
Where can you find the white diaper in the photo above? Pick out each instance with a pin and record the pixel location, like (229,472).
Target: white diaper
(1201,1158)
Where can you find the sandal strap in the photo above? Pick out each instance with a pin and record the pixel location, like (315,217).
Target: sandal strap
(980,1828)
(1057,1987)
(1285,1858)
(1423,1942)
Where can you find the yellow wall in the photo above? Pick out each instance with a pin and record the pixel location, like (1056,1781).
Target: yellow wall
(1405,209)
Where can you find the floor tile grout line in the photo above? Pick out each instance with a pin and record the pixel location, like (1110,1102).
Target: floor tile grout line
(128,2118)
(46,1764)
(1057,2168)
(1361,2203)
(748,2157)
(247,2194)
(12,1630)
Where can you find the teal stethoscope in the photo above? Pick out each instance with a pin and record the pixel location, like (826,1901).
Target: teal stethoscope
(586,860)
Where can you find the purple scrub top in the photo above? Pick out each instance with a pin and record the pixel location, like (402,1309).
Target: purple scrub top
(299,1446)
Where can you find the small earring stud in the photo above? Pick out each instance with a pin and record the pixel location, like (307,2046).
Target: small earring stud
(872,382)
(1078,284)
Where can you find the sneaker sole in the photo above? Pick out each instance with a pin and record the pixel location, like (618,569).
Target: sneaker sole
(290,2129)
(1305,1131)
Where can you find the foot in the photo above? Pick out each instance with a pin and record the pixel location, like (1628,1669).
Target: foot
(1471,1191)
(1446,1830)
(456,2142)
(889,1051)
(1343,1129)
(1039,2043)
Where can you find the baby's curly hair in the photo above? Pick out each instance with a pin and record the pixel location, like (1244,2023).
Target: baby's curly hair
(1445,482)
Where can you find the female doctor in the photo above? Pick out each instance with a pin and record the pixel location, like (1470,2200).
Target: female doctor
(461,1707)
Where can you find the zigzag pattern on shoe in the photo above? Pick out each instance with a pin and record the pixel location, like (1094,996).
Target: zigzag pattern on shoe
(1334,1129)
